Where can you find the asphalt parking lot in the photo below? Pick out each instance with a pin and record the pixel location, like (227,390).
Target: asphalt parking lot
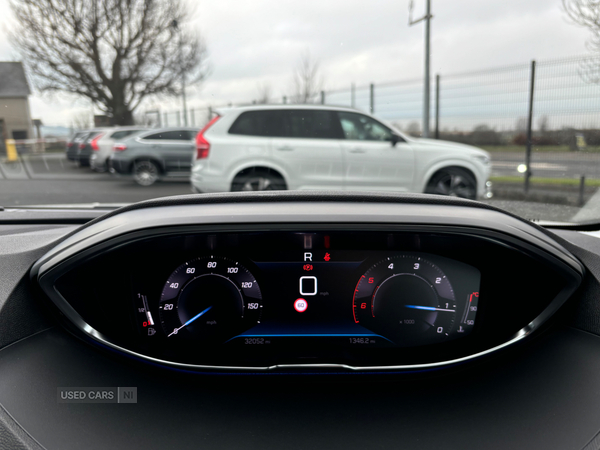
(52,179)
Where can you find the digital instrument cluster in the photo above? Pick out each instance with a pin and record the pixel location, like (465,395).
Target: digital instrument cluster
(257,298)
(333,297)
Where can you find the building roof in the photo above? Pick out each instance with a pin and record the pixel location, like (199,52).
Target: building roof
(13,82)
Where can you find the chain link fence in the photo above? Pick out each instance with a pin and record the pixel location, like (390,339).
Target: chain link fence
(489,109)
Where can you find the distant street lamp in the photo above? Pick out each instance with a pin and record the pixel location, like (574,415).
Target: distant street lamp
(175,26)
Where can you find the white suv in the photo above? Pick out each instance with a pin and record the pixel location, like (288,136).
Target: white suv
(320,147)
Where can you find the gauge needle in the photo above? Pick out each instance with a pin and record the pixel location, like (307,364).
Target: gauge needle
(428,308)
(189,321)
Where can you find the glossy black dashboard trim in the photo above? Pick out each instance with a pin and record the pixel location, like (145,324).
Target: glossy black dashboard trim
(119,229)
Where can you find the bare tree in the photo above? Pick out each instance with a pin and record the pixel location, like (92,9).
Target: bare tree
(81,121)
(413,129)
(265,92)
(144,120)
(115,52)
(521,125)
(586,13)
(307,80)
(543,123)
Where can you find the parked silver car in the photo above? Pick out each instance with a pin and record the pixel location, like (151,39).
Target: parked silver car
(154,154)
(103,145)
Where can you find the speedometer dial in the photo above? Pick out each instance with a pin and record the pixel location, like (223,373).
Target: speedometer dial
(210,298)
(407,299)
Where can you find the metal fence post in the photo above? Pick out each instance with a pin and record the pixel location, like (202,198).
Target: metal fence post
(437,106)
(352,95)
(322,97)
(581,190)
(166,119)
(284,100)
(372,98)
(210,113)
(529,127)
(178,115)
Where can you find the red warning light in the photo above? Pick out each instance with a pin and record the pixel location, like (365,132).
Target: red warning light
(307,267)
(145,324)
(327,257)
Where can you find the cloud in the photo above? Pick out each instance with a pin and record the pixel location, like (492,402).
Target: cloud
(355,40)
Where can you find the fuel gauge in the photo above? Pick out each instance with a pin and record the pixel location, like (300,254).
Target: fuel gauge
(144,316)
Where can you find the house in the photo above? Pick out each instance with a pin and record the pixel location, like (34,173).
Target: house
(15,118)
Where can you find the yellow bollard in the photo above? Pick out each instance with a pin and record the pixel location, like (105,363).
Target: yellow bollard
(11,150)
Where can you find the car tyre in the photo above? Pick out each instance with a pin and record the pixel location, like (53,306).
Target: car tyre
(257,181)
(454,182)
(145,173)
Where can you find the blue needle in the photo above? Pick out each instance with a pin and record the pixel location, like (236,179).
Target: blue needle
(428,308)
(195,317)
(189,321)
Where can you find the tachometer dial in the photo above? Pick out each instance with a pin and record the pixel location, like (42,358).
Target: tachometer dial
(407,299)
(210,298)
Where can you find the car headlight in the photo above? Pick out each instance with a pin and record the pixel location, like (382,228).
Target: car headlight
(483,159)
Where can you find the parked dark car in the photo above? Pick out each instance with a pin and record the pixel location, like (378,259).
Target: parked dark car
(86,146)
(73,144)
(154,154)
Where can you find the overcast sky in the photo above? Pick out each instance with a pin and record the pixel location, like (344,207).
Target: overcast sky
(360,41)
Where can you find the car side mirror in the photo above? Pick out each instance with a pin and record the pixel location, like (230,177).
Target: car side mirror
(395,139)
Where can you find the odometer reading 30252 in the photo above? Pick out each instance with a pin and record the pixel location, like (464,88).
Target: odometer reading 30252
(210,298)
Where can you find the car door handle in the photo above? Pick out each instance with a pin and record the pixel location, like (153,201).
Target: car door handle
(357,150)
(285,148)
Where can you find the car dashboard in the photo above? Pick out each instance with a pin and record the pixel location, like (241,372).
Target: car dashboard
(301,320)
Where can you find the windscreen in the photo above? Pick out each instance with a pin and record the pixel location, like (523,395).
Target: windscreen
(113,102)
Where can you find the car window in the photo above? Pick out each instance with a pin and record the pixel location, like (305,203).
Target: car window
(175,135)
(359,127)
(77,136)
(92,135)
(312,124)
(259,123)
(122,133)
(81,136)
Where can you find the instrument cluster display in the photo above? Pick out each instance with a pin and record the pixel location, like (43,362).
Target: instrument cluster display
(315,295)
(251,297)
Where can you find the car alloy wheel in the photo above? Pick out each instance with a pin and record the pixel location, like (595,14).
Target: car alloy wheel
(258,182)
(145,173)
(453,183)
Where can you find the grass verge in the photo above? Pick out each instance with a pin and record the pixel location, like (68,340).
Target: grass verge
(545,181)
(536,149)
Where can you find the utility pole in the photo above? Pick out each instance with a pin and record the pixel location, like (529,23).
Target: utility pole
(529,128)
(427,82)
(175,26)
